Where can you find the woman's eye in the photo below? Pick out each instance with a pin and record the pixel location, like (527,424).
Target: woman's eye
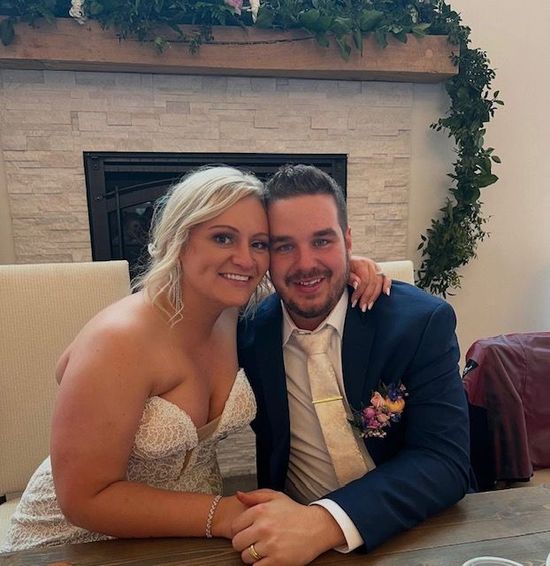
(260,245)
(223,239)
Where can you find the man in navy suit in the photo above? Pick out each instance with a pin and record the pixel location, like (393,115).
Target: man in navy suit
(417,464)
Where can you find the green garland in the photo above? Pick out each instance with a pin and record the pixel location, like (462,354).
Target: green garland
(452,238)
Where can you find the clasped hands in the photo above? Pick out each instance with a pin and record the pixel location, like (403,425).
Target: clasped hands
(274,530)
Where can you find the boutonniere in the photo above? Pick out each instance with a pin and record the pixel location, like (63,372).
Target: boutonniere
(386,406)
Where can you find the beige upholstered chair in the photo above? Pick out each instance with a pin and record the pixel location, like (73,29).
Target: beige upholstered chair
(400,270)
(42,308)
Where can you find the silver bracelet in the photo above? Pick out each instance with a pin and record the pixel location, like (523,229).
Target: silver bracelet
(210,517)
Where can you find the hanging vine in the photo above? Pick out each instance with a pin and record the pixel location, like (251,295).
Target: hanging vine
(451,240)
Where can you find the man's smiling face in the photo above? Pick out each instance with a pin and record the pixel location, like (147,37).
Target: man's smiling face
(309,256)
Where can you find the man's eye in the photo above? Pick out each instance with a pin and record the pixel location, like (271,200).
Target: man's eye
(260,245)
(282,248)
(321,242)
(223,239)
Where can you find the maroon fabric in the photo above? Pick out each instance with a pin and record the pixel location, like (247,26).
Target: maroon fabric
(512,382)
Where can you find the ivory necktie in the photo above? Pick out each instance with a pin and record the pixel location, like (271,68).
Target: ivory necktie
(347,451)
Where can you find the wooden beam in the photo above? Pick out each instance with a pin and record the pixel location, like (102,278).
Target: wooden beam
(66,45)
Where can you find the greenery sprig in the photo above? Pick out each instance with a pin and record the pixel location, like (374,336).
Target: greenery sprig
(451,240)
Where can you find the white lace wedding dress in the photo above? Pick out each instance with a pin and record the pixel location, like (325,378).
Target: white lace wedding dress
(169,452)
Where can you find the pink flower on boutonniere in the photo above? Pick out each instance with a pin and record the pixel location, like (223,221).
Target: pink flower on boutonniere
(377,401)
(236,5)
(386,406)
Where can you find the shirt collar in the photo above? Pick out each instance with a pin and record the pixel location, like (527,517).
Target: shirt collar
(336,319)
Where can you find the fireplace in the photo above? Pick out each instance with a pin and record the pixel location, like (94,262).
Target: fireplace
(122,189)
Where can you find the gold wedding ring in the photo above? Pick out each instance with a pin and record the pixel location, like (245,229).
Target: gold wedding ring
(254,553)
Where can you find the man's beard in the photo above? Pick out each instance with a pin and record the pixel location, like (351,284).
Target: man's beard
(316,311)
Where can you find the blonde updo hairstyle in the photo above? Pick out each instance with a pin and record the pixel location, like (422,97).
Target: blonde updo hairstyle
(196,198)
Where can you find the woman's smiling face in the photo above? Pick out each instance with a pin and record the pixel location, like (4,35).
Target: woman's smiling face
(226,257)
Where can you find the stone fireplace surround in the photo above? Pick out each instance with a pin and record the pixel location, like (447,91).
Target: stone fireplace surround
(49,118)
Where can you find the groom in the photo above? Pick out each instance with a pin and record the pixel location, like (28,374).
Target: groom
(408,457)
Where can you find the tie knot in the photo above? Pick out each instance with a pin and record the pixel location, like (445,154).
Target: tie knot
(316,343)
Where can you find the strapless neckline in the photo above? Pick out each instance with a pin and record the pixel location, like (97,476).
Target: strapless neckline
(211,426)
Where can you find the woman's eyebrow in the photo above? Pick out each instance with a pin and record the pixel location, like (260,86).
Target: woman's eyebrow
(234,229)
(223,227)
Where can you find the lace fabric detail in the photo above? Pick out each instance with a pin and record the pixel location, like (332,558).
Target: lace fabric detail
(169,453)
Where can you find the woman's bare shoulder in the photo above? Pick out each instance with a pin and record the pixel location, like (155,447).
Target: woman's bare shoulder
(124,331)
(132,318)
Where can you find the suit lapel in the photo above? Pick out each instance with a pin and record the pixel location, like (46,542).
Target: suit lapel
(270,360)
(359,330)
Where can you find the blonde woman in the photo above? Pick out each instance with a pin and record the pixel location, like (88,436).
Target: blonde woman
(152,383)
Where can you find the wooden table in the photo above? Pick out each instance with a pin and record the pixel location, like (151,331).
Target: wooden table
(512,523)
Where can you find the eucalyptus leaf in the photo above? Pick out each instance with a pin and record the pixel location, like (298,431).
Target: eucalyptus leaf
(420,30)
(400,36)
(486,180)
(358,40)
(323,23)
(341,26)
(381,36)
(46,14)
(7,33)
(95,8)
(369,19)
(176,28)
(309,19)
(161,43)
(265,18)
(322,40)
(345,49)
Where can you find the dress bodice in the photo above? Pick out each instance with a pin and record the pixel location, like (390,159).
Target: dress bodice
(169,452)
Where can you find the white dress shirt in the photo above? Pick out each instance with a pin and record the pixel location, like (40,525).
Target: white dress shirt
(310,472)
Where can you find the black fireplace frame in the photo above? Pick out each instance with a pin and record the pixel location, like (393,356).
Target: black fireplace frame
(104,195)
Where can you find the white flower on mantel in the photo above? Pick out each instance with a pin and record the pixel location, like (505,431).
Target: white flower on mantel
(254,7)
(238,4)
(77,11)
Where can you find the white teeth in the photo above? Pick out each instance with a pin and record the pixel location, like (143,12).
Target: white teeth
(235,277)
(309,283)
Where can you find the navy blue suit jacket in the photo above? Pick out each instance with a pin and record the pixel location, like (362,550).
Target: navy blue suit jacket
(423,462)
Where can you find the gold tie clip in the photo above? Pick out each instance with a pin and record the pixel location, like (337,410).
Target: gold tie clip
(328,399)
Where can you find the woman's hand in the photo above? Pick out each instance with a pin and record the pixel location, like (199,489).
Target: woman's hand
(368,281)
(228,509)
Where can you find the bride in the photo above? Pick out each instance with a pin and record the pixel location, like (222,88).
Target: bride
(151,384)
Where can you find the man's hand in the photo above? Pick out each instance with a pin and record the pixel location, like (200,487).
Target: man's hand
(368,280)
(283,532)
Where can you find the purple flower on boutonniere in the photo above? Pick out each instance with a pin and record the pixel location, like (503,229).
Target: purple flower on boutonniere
(386,406)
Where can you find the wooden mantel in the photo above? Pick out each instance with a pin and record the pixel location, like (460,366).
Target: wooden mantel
(66,45)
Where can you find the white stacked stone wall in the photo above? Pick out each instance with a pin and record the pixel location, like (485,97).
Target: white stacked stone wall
(49,118)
